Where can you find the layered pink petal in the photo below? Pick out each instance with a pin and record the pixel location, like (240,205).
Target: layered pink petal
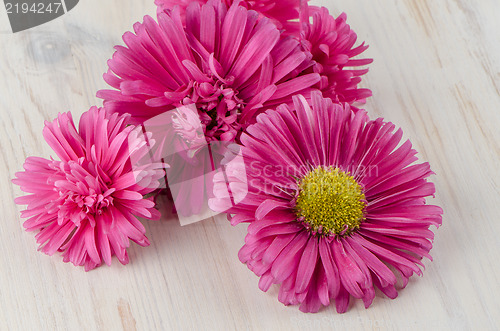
(86,204)
(313,268)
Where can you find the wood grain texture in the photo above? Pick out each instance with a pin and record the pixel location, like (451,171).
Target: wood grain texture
(436,74)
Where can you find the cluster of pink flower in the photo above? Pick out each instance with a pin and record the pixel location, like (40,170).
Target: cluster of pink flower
(277,82)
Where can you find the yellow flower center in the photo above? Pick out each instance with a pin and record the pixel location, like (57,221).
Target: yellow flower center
(330,202)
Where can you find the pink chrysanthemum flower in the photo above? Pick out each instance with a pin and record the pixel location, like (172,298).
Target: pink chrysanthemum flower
(86,204)
(229,62)
(336,208)
(331,42)
(281,12)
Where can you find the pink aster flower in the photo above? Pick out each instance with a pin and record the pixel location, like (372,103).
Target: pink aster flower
(86,204)
(229,62)
(331,42)
(281,12)
(335,203)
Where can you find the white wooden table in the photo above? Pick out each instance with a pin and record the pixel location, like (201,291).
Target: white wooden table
(436,74)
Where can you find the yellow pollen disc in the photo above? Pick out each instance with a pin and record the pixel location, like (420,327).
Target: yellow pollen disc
(330,201)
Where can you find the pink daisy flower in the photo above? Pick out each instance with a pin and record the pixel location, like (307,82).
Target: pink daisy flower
(335,204)
(331,42)
(281,12)
(86,204)
(229,62)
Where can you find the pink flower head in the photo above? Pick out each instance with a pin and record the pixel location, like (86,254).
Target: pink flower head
(335,204)
(331,42)
(86,204)
(281,12)
(229,62)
